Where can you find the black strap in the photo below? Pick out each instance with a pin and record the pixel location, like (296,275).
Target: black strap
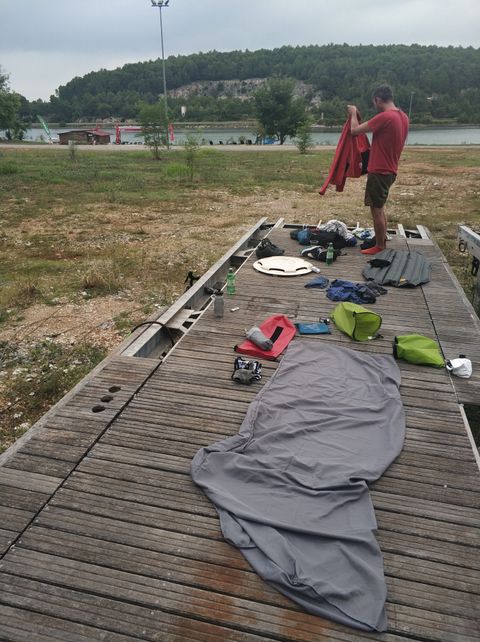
(276,333)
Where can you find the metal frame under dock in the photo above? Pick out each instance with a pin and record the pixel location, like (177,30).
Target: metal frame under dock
(103,535)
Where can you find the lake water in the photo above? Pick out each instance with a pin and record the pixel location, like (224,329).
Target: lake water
(217,136)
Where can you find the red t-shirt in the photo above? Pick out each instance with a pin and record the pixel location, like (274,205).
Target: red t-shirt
(390,129)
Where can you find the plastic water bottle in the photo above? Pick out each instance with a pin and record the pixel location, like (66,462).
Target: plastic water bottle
(231,282)
(329,257)
(218,304)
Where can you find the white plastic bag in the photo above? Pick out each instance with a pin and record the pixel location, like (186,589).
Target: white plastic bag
(460,367)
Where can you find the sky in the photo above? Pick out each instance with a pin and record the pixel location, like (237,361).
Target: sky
(46,43)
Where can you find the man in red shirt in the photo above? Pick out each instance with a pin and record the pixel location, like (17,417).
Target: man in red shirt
(390,129)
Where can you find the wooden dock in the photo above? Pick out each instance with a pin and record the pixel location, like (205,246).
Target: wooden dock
(103,535)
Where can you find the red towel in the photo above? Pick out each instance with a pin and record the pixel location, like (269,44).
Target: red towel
(349,160)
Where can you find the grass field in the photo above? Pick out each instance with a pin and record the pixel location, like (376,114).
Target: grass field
(91,244)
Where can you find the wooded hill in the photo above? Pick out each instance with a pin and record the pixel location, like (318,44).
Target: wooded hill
(443,83)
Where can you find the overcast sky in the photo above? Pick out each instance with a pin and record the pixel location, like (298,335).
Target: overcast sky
(46,43)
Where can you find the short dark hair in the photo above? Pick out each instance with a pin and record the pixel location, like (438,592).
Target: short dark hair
(384,92)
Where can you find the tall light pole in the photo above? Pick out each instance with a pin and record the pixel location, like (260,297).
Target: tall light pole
(161,4)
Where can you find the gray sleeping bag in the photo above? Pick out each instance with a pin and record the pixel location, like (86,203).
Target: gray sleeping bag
(291,487)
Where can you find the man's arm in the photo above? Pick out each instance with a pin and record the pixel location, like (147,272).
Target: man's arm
(355,127)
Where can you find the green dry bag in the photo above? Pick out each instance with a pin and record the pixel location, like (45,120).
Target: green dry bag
(356,321)
(418,349)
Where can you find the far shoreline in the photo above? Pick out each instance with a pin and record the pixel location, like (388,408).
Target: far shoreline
(30,145)
(228,125)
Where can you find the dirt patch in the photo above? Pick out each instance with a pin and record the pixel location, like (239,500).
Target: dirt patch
(70,323)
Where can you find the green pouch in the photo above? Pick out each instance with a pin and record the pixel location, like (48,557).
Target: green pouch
(418,349)
(356,321)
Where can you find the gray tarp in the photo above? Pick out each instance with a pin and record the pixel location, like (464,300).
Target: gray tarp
(291,487)
(406,269)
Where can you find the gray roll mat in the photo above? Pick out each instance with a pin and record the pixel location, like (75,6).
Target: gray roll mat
(291,488)
(405,269)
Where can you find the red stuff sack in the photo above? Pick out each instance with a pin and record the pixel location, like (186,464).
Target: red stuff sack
(279,329)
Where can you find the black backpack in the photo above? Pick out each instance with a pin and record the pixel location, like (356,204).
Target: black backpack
(324,238)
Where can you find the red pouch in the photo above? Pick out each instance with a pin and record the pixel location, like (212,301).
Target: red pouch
(279,329)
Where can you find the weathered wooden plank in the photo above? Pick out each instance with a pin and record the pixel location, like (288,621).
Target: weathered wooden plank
(14,519)
(141,458)
(53,450)
(28,481)
(26,500)
(426,626)
(425,507)
(214,551)
(445,478)
(429,548)
(155,564)
(67,437)
(211,577)
(156,488)
(6,539)
(40,464)
(422,490)
(158,538)
(431,530)
(110,615)
(26,626)
(136,513)
(249,615)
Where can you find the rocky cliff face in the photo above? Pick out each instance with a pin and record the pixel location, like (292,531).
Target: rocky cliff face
(240,89)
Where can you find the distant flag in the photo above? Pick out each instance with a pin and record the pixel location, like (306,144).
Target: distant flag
(45,128)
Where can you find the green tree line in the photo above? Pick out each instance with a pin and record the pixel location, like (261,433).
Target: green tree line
(443,83)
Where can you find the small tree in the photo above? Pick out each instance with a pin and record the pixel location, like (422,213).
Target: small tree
(278,111)
(9,107)
(191,146)
(304,140)
(154,127)
(72,150)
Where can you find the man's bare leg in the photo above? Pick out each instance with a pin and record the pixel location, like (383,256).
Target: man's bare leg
(380,226)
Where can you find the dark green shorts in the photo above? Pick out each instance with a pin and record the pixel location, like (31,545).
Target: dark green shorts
(377,188)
